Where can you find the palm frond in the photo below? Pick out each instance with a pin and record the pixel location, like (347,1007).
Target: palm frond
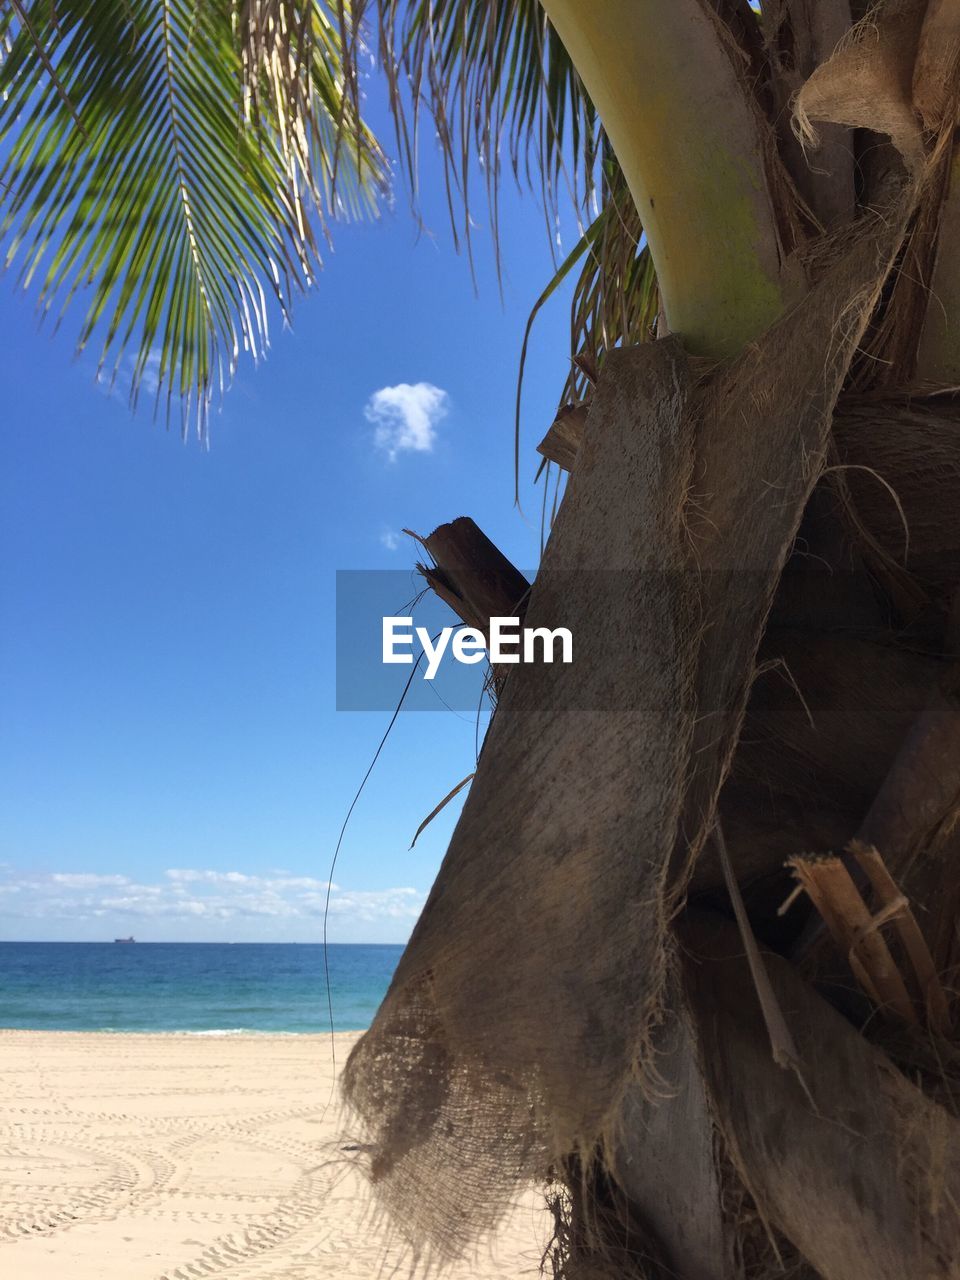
(496,82)
(615,299)
(169,208)
(300,80)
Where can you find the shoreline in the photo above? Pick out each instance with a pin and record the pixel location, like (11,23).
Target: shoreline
(225,1032)
(157,1155)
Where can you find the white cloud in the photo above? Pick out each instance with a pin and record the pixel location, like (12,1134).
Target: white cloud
(180,875)
(206,897)
(68,880)
(390,540)
(397,904)
(406,416)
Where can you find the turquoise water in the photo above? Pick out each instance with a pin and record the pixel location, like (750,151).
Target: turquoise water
(185,986)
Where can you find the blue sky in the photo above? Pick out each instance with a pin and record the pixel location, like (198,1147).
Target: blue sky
(171,761)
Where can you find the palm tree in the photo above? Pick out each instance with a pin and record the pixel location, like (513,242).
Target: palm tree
(691,952)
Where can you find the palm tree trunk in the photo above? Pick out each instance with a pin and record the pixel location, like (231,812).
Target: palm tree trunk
(575,996)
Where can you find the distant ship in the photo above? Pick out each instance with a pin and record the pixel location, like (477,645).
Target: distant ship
(124,939)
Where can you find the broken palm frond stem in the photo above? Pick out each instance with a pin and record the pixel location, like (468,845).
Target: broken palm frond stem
(915,820)
(472,575)
(477,581)
(562,442)
(891,900)
(856,930)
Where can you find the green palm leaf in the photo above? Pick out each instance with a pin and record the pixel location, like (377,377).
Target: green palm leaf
(148,184)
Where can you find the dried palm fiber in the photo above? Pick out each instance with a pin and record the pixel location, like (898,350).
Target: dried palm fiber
(899,455)
(879,53)
(937,61)
(895,72)
(740,535)
(799,36)
(898,465)
(868,81)
(902,460)
(893,1215)
(524,1004)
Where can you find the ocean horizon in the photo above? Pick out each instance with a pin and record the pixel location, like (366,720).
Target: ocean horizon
(198,988)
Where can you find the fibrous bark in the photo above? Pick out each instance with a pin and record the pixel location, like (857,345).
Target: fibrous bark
(599,780)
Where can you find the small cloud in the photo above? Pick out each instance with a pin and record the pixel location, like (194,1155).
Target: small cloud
(390,540)
(406,416)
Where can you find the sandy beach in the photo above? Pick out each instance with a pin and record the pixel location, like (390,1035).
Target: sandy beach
(171,1157)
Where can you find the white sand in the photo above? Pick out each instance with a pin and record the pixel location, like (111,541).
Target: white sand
(154,1157)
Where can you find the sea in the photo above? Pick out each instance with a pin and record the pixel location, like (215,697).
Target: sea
(200,988)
